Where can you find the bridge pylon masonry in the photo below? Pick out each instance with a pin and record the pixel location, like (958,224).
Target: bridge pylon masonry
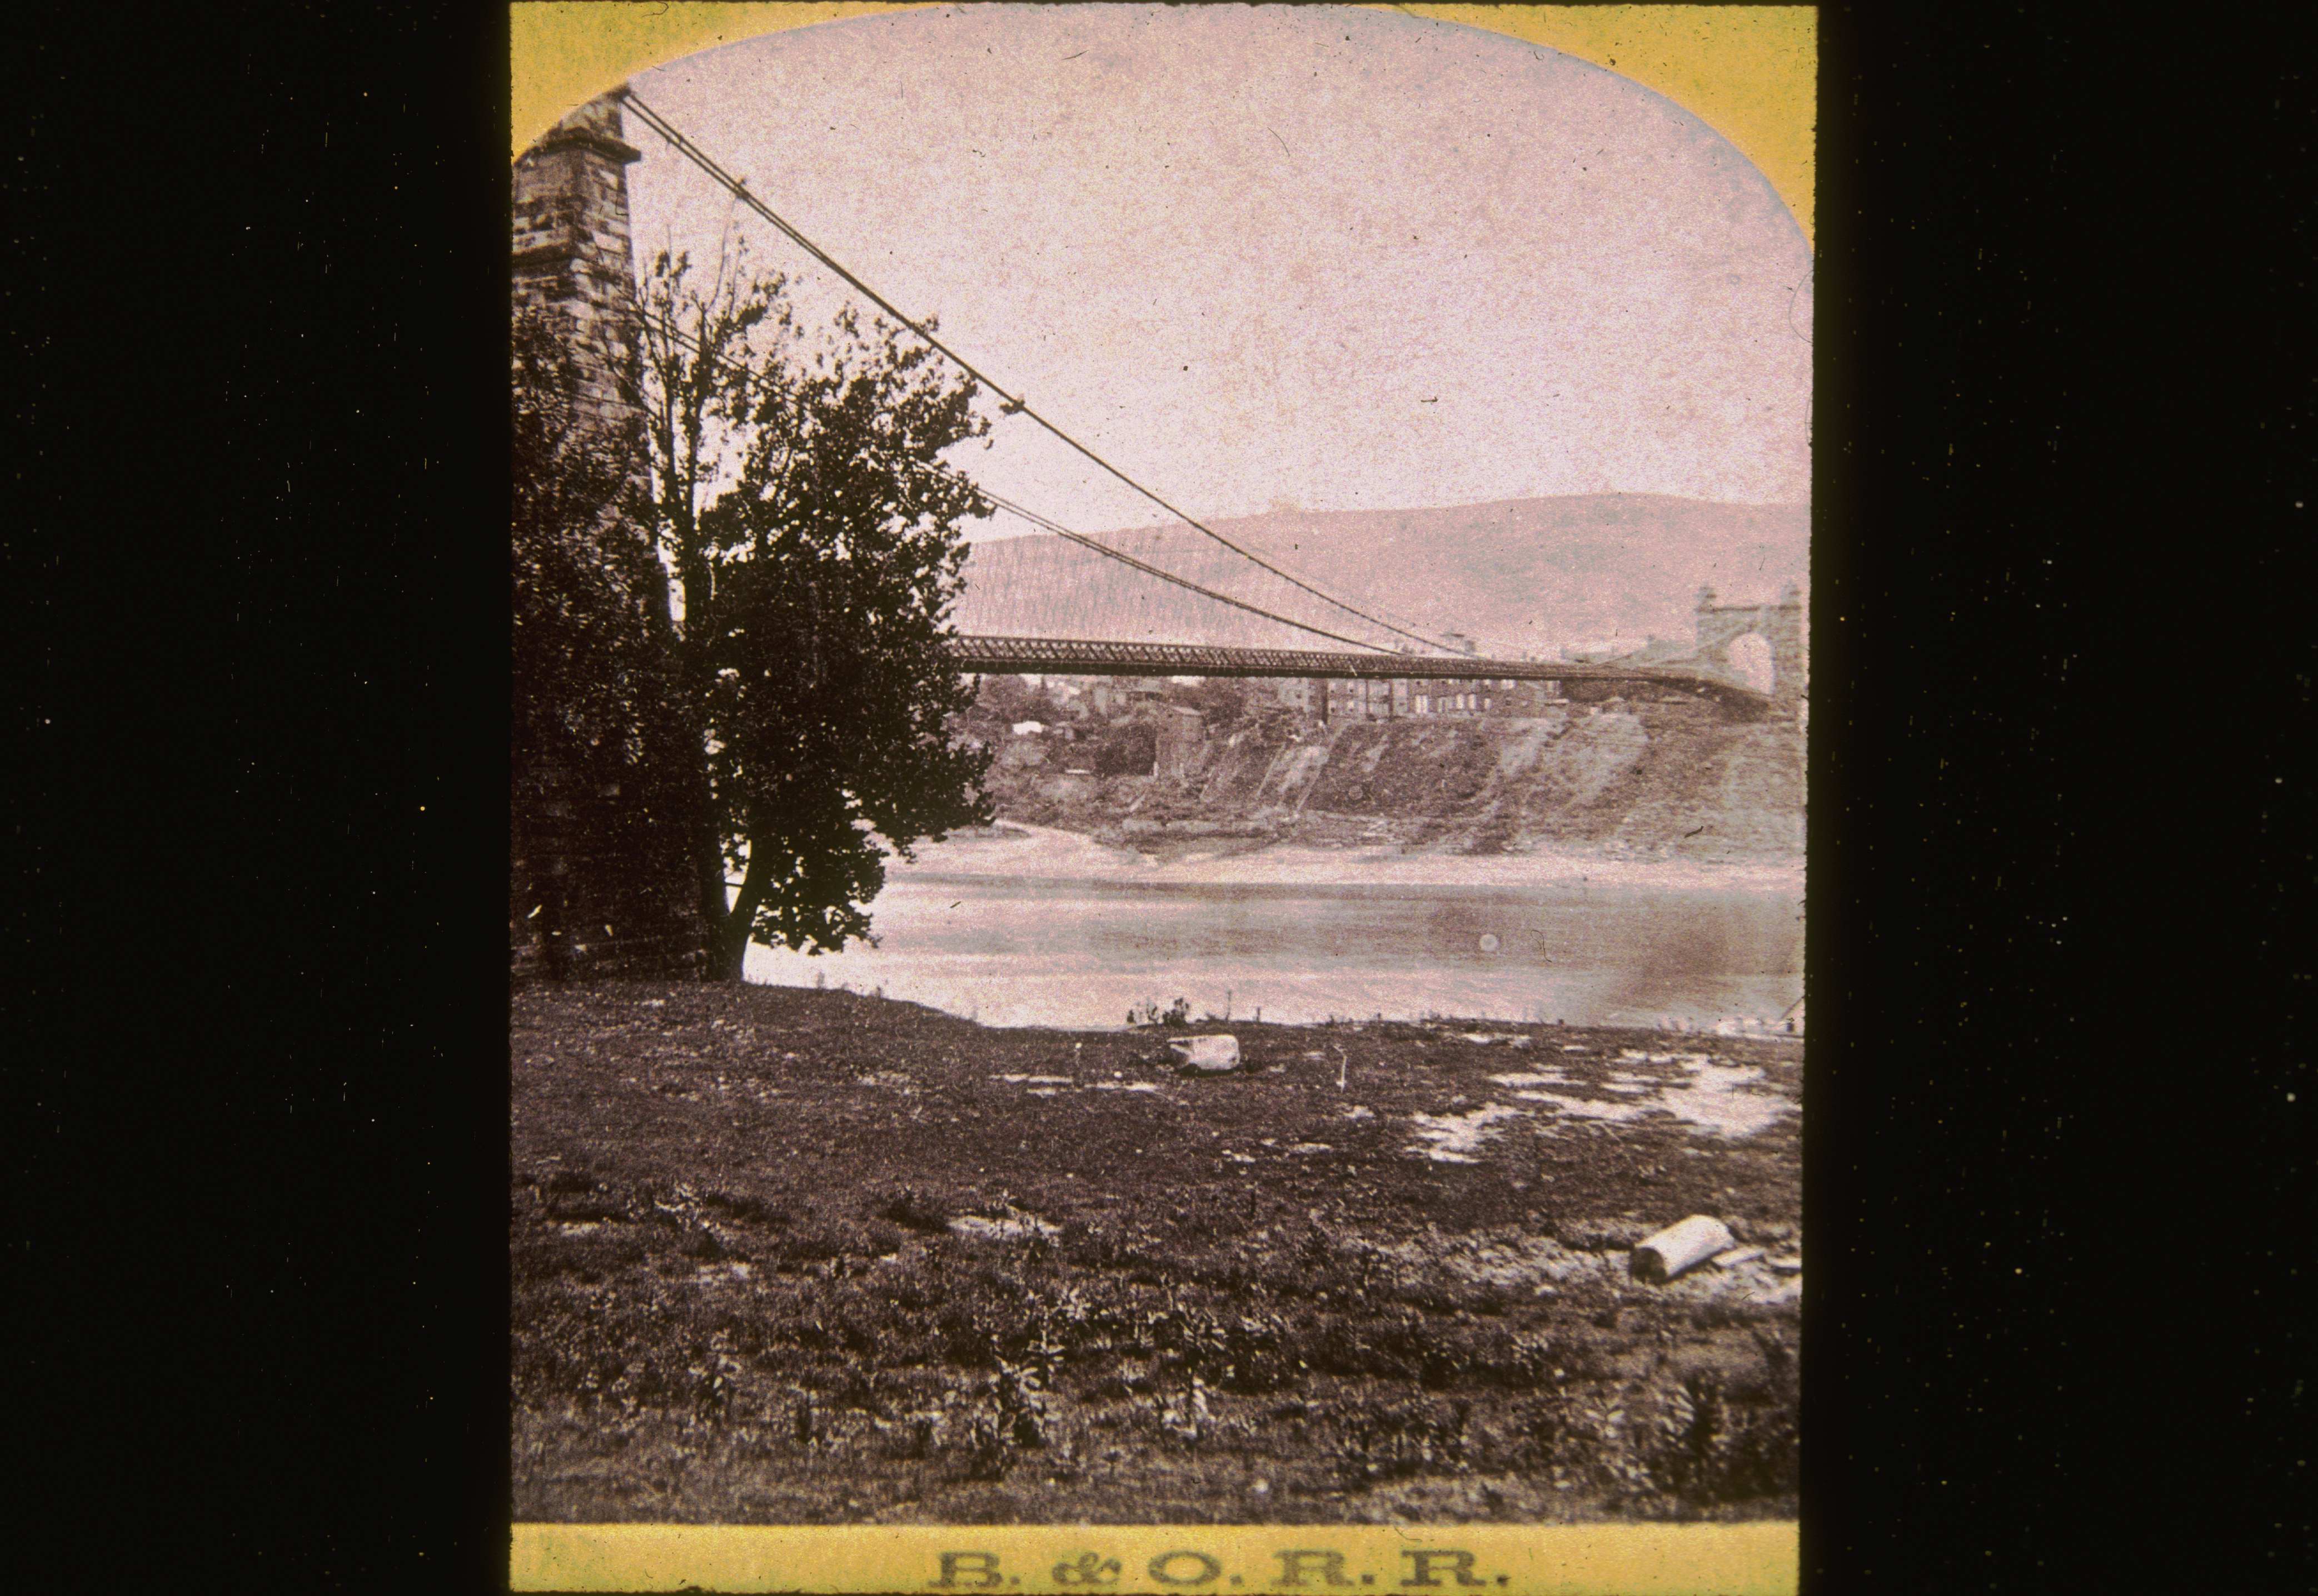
(602,881)
(1779,624)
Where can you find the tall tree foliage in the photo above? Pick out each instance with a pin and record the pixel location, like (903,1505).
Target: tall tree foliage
(812,530)
(588,668)
(593,711)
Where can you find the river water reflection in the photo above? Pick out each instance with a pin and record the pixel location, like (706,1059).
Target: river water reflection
(1037,950)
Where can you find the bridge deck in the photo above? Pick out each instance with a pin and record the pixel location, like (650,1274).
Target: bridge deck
(1055,656)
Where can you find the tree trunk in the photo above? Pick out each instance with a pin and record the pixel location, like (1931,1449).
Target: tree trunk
(729,932)
(706,838)
(708,861)
(728,950)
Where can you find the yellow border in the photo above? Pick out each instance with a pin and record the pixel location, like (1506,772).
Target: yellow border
(1749,72)
(1757,1559)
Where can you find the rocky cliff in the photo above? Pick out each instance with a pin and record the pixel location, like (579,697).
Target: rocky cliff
(1632,780)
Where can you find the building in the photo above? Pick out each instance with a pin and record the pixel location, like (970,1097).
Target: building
(1458,698)
(1182,734)
(1111,695)
(1528,698)
(1023,750)
(1306,696)
(1362,700)
(1448,695)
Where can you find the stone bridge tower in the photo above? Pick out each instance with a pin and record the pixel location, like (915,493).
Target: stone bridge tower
(602,880)
(1780,625)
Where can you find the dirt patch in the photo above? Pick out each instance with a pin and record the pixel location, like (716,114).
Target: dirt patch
(1010,1227)
(1451,1138)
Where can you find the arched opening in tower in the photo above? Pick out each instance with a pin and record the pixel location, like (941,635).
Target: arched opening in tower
(1750,661)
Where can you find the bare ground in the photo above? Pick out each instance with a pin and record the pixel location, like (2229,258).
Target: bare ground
(803,1257)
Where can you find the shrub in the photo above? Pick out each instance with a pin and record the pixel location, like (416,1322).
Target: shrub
(1540,1430)
(913,1209)
(815,1244)
(588,1258)
(1132,749)
(968,1339)
(579,1200)
(744,1208)
(1489,1355)
(1236,1351)
(988,1424)
(1095,1246)
(1019,1391)
(1393,1440)
(1707,1448)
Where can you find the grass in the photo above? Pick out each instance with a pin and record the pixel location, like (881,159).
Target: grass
(740,1297)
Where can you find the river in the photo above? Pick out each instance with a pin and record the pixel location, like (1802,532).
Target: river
(1032,927)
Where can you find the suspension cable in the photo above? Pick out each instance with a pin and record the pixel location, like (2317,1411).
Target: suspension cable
(677,334)
(1009,403)
(1085,541)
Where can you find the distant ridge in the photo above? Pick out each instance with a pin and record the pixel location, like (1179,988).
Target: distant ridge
(1520,576)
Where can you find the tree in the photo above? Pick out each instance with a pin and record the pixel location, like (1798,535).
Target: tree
(811,529)
(584,660)
(591,700)
(1222,701)
(1132,749)
(1006,699)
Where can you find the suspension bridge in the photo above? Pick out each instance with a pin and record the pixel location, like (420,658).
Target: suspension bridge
(1242,615)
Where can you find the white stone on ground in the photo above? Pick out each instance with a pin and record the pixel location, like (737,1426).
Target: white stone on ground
(1681,1246)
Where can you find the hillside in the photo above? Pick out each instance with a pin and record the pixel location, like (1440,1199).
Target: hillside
(1522,575)
(1638,780)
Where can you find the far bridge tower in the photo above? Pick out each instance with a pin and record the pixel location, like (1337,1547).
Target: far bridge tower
(1780,625)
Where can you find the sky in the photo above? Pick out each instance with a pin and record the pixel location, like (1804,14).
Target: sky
(1273,257)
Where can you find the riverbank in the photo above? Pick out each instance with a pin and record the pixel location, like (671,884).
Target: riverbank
(1019,849)
(788,1256)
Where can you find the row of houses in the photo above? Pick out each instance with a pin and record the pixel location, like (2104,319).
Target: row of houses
(1325,698)
(1103,697)
(1321,698)
(1334,699)
(1338,700)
